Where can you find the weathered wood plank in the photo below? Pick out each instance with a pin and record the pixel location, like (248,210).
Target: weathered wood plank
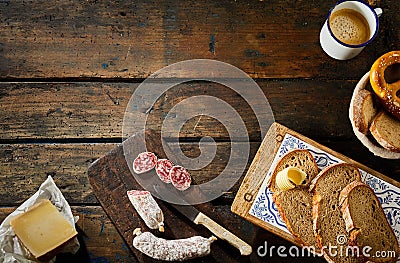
(98,238)
(110,39)
(96,110)
(23,167)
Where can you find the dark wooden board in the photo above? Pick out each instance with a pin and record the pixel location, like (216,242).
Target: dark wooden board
(110,178)
(113,39)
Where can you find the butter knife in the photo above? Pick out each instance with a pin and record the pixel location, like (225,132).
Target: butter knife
(199,218)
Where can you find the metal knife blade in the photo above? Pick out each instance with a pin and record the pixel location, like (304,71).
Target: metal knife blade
(198,217)
(187,210)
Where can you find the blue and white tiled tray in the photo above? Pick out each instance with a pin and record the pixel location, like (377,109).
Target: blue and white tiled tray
(264,209)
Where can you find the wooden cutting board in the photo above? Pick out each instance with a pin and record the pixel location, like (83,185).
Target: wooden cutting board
(110,178)
(249,191)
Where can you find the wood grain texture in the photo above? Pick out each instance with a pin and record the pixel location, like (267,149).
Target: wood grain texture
(86,110)
(114,39)
(23,167)
(68,69)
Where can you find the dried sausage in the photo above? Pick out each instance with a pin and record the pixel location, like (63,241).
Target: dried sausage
(147,209)
(163,168)
(172,250)
(180,178)
(144,162)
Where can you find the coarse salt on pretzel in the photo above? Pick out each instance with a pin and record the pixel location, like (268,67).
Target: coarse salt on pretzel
(388,93)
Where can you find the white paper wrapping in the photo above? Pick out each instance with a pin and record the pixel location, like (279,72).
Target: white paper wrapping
(11,250)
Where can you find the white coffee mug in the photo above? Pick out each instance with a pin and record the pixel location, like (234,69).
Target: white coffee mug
(338,49)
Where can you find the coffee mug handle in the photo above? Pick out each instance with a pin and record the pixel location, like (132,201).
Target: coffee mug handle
(378,11)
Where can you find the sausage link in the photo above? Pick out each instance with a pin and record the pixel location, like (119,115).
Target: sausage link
(147,209)
(172,250)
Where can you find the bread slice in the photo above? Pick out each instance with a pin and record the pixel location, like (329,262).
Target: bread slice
(362,212)
(295,205)
(364,110)
(386,130)
(328,223)
(299,158)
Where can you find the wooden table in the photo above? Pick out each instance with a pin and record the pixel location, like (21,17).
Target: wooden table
(69,68)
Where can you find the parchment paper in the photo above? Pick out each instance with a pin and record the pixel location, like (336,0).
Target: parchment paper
(11,250)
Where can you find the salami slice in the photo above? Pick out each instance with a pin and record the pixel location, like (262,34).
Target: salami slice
(180,178)
(144,162)
(163,167)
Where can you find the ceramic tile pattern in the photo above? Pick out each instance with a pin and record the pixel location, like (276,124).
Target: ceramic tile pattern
(264,208)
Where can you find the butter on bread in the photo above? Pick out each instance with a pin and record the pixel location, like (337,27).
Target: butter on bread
(290,178)
(295,205)
(322,211)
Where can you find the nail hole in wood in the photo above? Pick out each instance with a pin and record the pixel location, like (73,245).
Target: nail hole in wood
(248,197)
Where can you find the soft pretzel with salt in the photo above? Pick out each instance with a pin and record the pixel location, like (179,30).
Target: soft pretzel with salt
(388,93)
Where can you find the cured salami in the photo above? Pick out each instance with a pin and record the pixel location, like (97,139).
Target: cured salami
(144,162)
(147,209)
(180,178)
(163,167)
(172,250)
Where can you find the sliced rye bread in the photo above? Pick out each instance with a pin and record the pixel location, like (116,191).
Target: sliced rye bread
(328,223)
(386,130)
(295,205)
(299,158)
(362,212)
(364,110)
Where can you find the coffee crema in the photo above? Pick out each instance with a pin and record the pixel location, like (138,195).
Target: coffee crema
(349,26)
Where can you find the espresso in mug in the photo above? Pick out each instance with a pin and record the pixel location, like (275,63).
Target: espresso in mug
(349,26)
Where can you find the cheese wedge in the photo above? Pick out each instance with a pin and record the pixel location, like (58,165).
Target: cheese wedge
(42,228)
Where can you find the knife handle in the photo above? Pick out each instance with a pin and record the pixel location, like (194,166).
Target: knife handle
(222,233)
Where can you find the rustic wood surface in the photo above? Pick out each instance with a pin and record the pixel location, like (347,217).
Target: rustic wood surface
(69,68)
(133,39)
(95,110)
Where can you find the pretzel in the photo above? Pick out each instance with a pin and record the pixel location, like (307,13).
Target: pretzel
(388,93)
